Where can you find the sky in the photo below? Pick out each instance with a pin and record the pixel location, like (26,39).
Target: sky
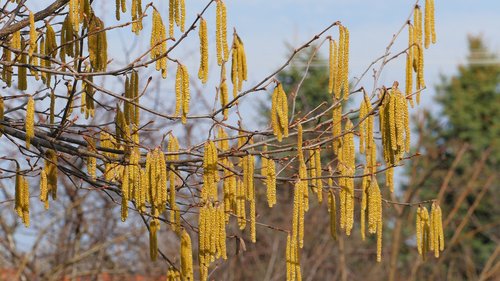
(270,28)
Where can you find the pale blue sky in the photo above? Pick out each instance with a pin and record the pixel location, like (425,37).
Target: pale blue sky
(267,26)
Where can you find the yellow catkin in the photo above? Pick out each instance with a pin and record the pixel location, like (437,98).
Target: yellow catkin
(74,14)
(212,236)
(374,207)
(186,256)
(51,170)
(97,44)
(238,65)
(7,70)
(203,35)
(423,231)
(288,258)
(337,127)
(364,203)
(433,24)
(347,169)
(436,241)
(332,208)
(409,65)
(91,160)
(429,24)
(224,96)
(182,7)
(340,62)
(332,66)
(30,121)
(171,17)
(33,35)
(174,275)
(22,203)
(270,171)
(22,72)
(182,92)
(118,9)
(297,229)
(345,64)
(136,12)
(240,204)
(154,226)
(159,43)
(394,125)
(221,33)
(185,93)
(2,111)
(210,158)
(279,112)
(253,230)
(419,48)
(44,189)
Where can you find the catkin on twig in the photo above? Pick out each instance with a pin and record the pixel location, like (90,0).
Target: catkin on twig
(221,33)
(203,35)
(159,43)
(279,112)
(30,121)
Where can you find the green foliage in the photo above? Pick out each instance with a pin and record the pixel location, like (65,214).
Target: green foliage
(471,100)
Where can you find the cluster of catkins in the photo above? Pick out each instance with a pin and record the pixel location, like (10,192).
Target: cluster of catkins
(151,187)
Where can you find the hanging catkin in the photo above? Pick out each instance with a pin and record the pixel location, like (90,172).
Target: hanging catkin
(136,12)
(174,275)
(221,33)
(91,160)
(374,206)
(2,111)
(182,94)
(238,65)
(279,112)
(51,171)
(315,172)
(203,35)
(395,128)
(212,236)
(98,44)
(210,177)
(419,49)
(332,208)
(173,155)
(429,24)
(159,43)
(423,229)
(30,121)
(7,70)
(409,65)
(22,71)
(33,35)
(345,64)
(333,64)
(74,14)
(22,203)
(154,226)
(270,173)
(186,256)
(436,235)
(347,169)
(337,127)
(224,98)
